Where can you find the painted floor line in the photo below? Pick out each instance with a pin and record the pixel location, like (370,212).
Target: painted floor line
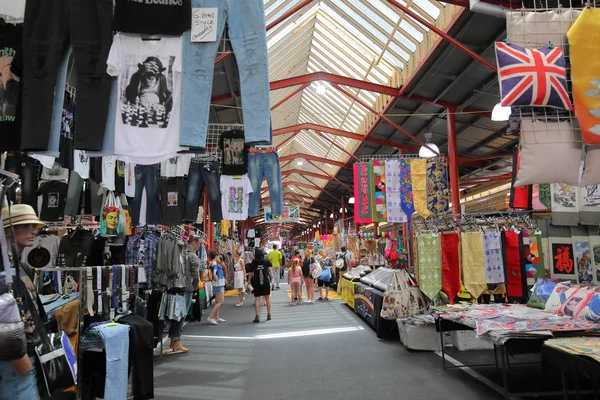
(282,335)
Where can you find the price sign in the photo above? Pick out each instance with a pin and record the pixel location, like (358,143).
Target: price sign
(204,24)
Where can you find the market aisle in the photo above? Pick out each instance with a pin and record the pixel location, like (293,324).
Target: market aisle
(313,351)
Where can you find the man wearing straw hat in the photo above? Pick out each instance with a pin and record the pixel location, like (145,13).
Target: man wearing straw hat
(18,378)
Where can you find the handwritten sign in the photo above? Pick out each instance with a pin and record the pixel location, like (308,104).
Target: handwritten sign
(204,24)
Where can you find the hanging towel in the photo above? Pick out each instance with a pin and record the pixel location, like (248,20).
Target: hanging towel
(406,187)
(378,202)
(512,257)
(494,266)
(545,196)
(584,41)
(430,264)
(565,205)
(450,265)
(418,176)
(437,185)
(473,264)
(362,193)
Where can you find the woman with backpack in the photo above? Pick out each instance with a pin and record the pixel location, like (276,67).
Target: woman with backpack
(307,268)
(326,277)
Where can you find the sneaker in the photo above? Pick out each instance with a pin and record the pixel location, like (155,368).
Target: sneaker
(268,317)
(320,299)
(221,320)
(273,287)
(212,321)
(277,288)
(256,319)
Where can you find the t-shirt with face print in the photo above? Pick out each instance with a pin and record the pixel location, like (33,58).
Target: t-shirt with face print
(235,192)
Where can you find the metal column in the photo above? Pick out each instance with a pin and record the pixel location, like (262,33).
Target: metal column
(453,161)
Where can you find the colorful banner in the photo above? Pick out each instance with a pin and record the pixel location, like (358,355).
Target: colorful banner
(378,193)
(290,214)
(362,193)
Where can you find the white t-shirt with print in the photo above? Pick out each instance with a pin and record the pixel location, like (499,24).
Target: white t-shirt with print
(129,179)
(148,107)
(235,193)
(176,166)
(81,163)
(109,163)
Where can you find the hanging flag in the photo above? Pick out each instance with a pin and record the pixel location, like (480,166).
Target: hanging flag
(362,204)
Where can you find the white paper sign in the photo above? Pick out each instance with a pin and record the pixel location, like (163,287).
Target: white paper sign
(204,24)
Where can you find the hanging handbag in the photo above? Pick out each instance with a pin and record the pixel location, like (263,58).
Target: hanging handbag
(402,299)
(110,216)
(126,220)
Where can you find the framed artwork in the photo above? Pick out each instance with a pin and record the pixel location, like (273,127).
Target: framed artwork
(563,262)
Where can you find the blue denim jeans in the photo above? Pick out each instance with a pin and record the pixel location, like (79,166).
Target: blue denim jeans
(265,165)
(108,144)
(146,176)
(14,386)
(176,329)
(116,346)
(203,174)
(246,22)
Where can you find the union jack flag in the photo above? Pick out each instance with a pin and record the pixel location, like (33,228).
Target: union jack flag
(530,77)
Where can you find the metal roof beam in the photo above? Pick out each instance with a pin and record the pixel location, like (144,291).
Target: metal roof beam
(310,157)
(305,173)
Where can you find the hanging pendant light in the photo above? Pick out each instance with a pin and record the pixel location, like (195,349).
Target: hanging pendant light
(425,152)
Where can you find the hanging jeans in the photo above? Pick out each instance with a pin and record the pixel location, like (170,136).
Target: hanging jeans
(72,206)
(141,359)
(176,329)
(49,27)
(203,174)
(116,345)
(108,143)
(146,176)
(246,24)
(265,164)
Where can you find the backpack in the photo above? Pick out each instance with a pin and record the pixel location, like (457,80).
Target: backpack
(341,262)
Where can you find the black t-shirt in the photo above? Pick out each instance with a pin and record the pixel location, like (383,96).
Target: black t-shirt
(67,133)
(120,177)
(306,267)
(172,192)
(235,153)
(10,87)
(260,269)
(54,197)
(162,17)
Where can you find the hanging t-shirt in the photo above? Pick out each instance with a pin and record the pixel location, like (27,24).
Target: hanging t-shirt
(235,152)
(234,197)
(109,163)
(65,159)
(56,173)
(120,176)
(81,163)
(251,233)
(43,253)
(172,193)
(129,179)
(54,197)
(225,226)
(149,81)
(11,37)
(176,166)
(161,17)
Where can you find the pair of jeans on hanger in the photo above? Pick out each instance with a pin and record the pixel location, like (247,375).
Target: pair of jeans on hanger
(146,177)
(50,26)
(247,32)
(203,174)
(265,164)
(116,346)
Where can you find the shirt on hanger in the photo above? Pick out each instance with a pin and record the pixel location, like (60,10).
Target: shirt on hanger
(11,37)
(172,193)
(43,253)
(149,81)
(66,143)
(120,176)
(54,197)
(235,152)
(56,173)
(251,233)
(161,17)
(235,193)
(225,226)
(81,163)
(176,166)
(109,164)
(129,179)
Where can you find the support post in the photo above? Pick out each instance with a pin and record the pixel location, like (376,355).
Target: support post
(453,161)
(343,214)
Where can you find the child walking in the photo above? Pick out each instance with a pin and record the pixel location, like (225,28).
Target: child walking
(295,281)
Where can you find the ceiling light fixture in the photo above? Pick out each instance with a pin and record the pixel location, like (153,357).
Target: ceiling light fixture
(300,162)
(351,200)
(501,113)
(321,89)
(424,151)
(331,215)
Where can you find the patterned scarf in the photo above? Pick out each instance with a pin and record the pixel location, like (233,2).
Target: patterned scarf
(437,185)
(473,262)
(514,276)
(418,176)
(494,265)
(545,196)
(406,187)
(450,265)
(393,192)
(378,202)
(430,264)
(362,203)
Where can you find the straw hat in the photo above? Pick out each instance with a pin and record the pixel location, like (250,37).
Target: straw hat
(20,214)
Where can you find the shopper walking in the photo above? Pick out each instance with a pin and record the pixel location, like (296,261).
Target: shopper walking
(18,377)
(218,284)
(261,274)
(325,279)
(239,277)
(308,279)
(295,282)
(284,264)
(192,268)
(346,260)
(276,261)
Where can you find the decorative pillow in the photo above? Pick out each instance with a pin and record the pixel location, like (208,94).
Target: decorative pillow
(549,153)
(560,294)
(519,71)
(535,29)
(591,311)
(576,302)
(591,170)
(541,292)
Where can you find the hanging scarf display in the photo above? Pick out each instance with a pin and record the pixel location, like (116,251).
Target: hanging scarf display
(362,203)
(450,265)
(473,262)
(565,205)
(545,196)
(437,185)
(406,187)
(418,176)
(393,192)
(494,266)
(430,264)
(512,257)
(378,202)
(584,41)
(520,196)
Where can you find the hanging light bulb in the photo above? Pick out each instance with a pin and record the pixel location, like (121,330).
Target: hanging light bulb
(300,162)
(424,151)
(321,89)
(331,215)
(351,200)
(501,113)
(345,210)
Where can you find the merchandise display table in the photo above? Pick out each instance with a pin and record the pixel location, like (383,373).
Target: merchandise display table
(347,289)
(367,304)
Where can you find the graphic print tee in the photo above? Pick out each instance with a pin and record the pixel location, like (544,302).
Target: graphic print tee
(235,153)
(172,193)
(235,193)
(10,87)
(176,166)
(162,17)
(54,197)
(149,80)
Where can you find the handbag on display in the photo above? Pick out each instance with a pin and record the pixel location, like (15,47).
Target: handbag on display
(126,221)
(110,215)
(401,299)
